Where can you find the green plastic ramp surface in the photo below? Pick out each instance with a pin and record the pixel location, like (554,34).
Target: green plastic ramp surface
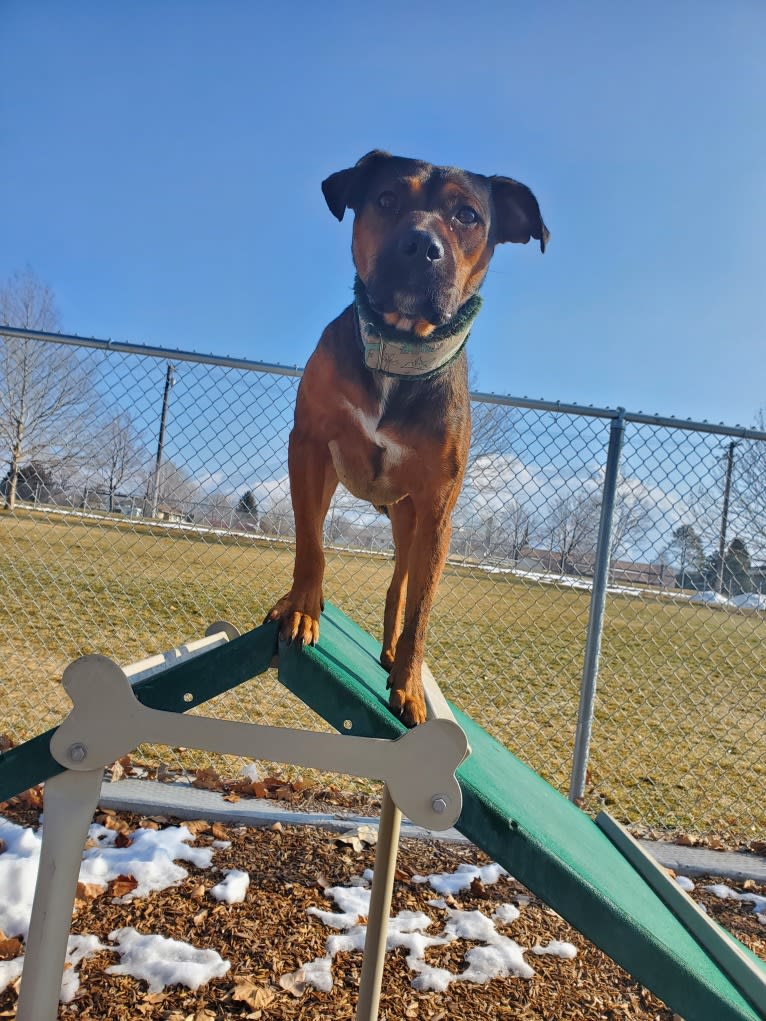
(542,839)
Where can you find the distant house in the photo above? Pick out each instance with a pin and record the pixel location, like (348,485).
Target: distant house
(167,513)
(625,572)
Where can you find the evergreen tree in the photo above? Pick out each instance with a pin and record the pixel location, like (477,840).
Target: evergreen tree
(736,569)
(248,504)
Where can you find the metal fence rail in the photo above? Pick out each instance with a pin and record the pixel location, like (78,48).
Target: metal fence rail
(603,610)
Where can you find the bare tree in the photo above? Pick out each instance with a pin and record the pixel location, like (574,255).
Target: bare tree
(177,493)
(492,429)
(218,509)
(517,524)
(120,456)
(46,400)
(632,515)
(573,527)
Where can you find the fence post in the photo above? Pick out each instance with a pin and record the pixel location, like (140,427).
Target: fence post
(596,613)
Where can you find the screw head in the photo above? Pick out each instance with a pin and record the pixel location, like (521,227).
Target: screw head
(439,804)
(77,752)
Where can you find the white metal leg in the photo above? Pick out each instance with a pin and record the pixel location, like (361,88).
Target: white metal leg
(380,909)
(70,801)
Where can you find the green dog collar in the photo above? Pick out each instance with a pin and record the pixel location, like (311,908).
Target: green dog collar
(396,353)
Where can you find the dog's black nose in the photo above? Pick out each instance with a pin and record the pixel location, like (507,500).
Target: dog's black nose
(421,244)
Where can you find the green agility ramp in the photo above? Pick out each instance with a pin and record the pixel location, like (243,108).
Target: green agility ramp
(547,843)
(595,876)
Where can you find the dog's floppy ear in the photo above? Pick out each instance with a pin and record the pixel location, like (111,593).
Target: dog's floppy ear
(345,189)
(517,214)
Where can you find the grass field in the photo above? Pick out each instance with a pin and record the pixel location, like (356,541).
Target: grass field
(680,726)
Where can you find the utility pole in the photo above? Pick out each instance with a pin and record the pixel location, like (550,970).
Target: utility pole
(725,511)
(169,381)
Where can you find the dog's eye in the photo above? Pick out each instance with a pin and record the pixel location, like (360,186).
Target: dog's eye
(387,200)
(466,215)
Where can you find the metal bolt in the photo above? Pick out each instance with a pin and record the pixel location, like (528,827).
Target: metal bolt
(77,752)
(439,804)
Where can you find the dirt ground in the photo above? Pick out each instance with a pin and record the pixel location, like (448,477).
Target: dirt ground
(271,935)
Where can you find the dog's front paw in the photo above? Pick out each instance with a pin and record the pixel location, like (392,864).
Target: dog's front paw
(410,708)
(387,661)
(406,698)
(297,622)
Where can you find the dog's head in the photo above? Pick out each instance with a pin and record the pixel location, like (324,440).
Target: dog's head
(424,235)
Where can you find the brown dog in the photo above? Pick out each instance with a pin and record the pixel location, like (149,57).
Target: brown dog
(383,404)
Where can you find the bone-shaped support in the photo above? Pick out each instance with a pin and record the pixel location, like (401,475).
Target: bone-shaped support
(107,721)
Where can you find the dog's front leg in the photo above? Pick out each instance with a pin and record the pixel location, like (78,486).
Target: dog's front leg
(313,481)
(428,554)
(402,515)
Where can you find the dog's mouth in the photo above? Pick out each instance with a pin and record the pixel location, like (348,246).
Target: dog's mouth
(412,311)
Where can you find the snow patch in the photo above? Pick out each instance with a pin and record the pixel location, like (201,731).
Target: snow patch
(162,962)
(233,888)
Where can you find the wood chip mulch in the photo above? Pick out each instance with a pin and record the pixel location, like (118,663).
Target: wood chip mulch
(271,935)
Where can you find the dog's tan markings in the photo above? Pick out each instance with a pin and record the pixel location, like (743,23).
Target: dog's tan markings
(422,328)
(413,184)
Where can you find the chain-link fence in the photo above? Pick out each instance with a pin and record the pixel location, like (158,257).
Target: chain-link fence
(147,495)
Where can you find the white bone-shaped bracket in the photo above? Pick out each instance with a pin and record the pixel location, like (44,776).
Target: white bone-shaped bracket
(107,721)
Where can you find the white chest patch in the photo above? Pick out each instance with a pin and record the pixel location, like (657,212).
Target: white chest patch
(366,457)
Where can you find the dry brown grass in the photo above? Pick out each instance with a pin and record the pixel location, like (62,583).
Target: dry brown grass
(680,721)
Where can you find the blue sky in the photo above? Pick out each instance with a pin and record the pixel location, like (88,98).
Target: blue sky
(162,161)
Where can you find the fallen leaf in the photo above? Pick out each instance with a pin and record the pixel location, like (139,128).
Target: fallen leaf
(285,793)
(253,995)
(9,948)
(206,779)
(294,982)
(89,891)
(349,840)
(122,886)
(369,834)
(197,826)
(478,889)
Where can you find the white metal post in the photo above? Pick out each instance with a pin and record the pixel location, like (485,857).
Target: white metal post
(380,908)
(70,801)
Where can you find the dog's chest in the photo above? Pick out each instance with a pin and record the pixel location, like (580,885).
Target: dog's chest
(371,462)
